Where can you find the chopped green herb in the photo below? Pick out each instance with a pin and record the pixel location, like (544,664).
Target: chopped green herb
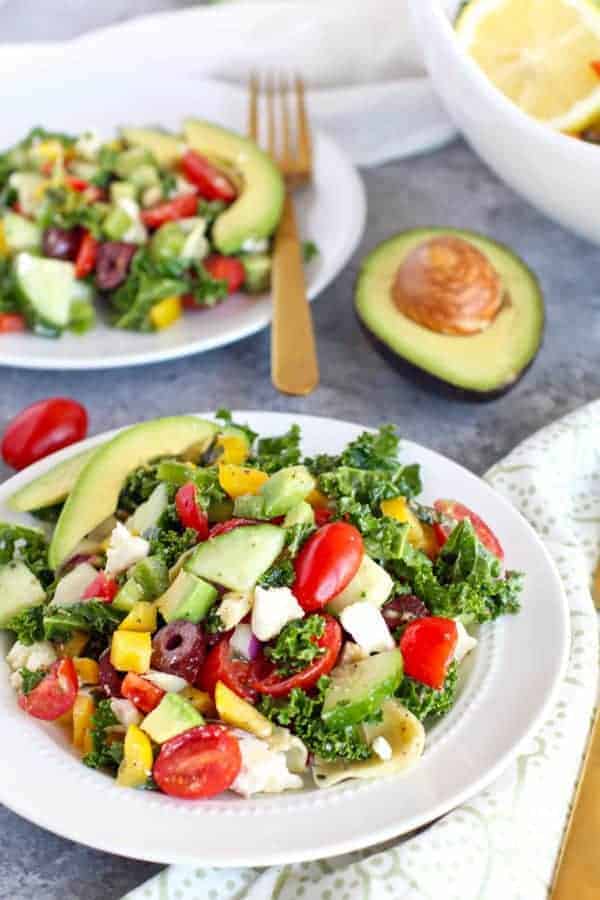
(30,680)
(296,645)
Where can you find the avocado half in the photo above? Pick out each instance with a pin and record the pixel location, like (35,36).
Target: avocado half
(482,365)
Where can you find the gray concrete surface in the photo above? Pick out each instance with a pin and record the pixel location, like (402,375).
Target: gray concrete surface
(447,187)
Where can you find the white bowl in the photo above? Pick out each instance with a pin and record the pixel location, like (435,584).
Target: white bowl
(556,173)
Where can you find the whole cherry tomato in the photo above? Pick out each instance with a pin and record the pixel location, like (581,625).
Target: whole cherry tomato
(211,183)
(200,762)
(142,693)
(221,665)
(427,647)
(101,588)
(226,268)
(85,263)
(11,322)
(43,428)
(331,641)
(191,515)
(327,563)
(457,511)
(181,207)
(55,694)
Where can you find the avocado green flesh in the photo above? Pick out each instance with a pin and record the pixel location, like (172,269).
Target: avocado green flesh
(51,487)
(257,210)
(189,597)
(173,715)
(165,148)
(95,494)
(482,363)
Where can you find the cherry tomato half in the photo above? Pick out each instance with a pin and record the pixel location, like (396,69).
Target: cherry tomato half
(331,641)
(142,693)
(458,512)
(42,428)
(322,515)
(11,322)
(85,263)
(211,183)
(327,563)
(101,588)
(226,268)
(220,665)
(181,207)
(198,763)
(427,647)
(229,525)
(191,515)
(55,694)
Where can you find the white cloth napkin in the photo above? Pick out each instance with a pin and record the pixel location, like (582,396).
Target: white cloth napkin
(501,845)
(368,84)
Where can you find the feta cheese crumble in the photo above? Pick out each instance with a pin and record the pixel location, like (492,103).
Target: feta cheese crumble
(464,644)
(273,608)
(382,748)
(124,550)
(264,771)
(367,626)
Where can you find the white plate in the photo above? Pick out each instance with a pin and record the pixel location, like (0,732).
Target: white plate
(331,211)
(503,697)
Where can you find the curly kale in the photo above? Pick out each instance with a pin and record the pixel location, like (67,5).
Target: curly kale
(106,752)
(28,625)
(296,645)
(425,702)
(302,713)
(28,546)
(280,574)
(30,680)
(169,543)
(92,616)
(370,450)
(277,452)
(224,417)
(138,486)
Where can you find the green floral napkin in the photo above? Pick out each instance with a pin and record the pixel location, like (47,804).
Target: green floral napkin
(502,845)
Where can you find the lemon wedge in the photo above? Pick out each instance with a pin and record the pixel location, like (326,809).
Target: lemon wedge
(540,54)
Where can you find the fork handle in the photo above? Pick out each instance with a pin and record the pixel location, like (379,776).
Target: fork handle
(294,365)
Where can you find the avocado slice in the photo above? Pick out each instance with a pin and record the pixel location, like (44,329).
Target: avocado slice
(52,487)
(257,210)
(95,494)
(173,715)
(165,148)
(19,590)
(285,489)
(484,364)
(189,597)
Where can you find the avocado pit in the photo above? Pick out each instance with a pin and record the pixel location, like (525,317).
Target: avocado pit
(449,286)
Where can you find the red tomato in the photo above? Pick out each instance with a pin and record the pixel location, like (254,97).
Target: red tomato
(101,588)
(331,640)
(322,515)
(327,563)
(229,525)
(458,512)
(43,428)
(189,302)
(595,66)
(198,763)
(10,322)
(77,184)
(220,665)
(142,693)
(226,268)
(87,255)
(181,207)
(211,183)
(191,515)
(427,646)
(55,694)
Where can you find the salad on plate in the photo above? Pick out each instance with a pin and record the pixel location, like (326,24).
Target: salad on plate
(142,227)
(204,609)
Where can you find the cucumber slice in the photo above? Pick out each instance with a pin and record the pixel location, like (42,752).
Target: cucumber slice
(152,576)
(48,285)
(238,558)
(148,513)
(19,589)
(371,583)
(130,594)
(358,690)
(21,233)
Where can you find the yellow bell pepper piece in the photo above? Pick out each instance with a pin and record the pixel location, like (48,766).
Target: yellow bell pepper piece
(200,700)
(136,765)
(83,710)
(317,499)
(239,713)
(87,670)
(235,449)
(130,651)
(398,509)
(238,480)
(49,151)
(141,618)
(74,646)
(166,312)
(4,248)
(87,744)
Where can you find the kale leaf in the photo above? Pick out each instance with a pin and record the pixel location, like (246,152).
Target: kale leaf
(138,486)
(277,452)
(92,616)
(302,713)
(30,680)
(280,574)
(28,625)
(370,450)
(296,645)
(171,543)
(425,702)
(106,753)
(224,417)
(309,251)
(28,546)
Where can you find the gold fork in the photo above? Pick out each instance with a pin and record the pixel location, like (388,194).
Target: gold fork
(294,365)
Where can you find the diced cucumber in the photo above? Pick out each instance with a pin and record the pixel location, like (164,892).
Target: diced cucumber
(19,589)
(121,189)
(238,558)
(21,233)
(152,575)
(371,583)
(358,690)
(168,241)
(144,177)
(249,506)
(301,514)
(148,513)
(116,224)
(130,594)
(48,285)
